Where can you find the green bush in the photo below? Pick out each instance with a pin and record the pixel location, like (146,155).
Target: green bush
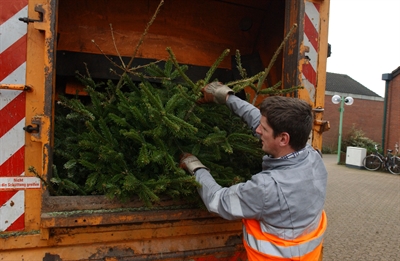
(328,150)
(357,138)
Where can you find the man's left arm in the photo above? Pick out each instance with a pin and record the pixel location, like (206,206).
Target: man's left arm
(243,200)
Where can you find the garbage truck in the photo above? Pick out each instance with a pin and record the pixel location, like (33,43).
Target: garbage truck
(42,45)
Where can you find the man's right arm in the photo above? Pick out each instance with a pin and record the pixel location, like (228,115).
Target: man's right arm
(248,112)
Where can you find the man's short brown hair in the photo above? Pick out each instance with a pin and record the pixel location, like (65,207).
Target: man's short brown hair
(291,115)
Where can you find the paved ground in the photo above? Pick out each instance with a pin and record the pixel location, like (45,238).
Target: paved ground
(363,209)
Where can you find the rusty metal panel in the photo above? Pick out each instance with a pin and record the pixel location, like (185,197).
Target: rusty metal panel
(291,52)
(162,235)
(40,77)
(305,58)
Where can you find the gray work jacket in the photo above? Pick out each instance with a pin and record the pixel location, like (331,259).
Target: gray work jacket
(287,196)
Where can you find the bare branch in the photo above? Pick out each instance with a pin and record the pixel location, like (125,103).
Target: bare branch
(105,55)
(115,46)
(145,33)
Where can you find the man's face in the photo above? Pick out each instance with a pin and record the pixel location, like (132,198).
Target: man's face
(270,145)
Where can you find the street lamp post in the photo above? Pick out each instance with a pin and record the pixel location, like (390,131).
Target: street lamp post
(336,99)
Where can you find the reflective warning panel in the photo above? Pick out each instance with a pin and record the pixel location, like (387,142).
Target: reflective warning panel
(12,116)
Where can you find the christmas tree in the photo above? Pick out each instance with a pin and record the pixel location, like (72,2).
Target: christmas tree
(125,138)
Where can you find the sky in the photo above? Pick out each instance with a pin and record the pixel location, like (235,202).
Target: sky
(365,40)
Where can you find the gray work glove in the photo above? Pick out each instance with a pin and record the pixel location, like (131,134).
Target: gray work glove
(215,92)
(190,163)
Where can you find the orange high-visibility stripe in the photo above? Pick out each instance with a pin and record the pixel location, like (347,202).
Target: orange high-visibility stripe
(263,246)
(254,255)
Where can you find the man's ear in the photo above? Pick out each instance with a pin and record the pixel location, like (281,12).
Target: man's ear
(284,139)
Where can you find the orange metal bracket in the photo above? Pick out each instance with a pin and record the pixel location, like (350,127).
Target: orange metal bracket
(44,23)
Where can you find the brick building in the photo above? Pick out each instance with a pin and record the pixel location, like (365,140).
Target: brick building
(366,113)
(392,89)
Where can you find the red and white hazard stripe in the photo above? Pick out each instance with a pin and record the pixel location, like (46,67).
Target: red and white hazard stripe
(12,110)
(311,40)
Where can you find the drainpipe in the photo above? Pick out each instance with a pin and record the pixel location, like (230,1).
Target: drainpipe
(387,77)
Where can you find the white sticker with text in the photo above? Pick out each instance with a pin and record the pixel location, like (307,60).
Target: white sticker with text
(19,183)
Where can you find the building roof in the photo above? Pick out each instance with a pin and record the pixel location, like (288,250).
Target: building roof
(396,72)
(342,83)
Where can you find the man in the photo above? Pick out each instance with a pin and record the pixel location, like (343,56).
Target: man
(282,206)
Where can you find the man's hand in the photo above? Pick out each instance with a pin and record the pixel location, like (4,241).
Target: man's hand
(215,92)
(190,163)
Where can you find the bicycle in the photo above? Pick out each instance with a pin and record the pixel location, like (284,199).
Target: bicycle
(376,160)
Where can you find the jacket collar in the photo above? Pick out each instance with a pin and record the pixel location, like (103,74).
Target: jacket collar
(292,158)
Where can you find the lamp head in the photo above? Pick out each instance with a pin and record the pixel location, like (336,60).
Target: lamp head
(336,99)
(348,100)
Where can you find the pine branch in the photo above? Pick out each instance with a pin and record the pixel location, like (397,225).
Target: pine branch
(242,71)
(214,67)
(33,170)
(272,62)
(179,69)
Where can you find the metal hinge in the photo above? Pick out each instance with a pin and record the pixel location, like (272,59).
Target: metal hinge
(31,129)
(28,20)
(39,123)
(43,23)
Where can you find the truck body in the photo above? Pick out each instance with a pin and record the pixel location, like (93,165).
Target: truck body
(44,42)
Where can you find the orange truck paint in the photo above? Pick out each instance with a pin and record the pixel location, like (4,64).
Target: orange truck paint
(95,228)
